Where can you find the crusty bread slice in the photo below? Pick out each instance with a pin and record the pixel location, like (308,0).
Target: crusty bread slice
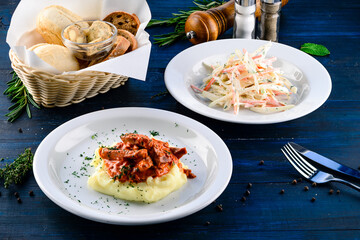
(120,47)
(124,20)
(130,37)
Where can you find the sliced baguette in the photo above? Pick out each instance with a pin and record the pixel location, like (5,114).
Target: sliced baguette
(121,46)
(124,20)
(130,37)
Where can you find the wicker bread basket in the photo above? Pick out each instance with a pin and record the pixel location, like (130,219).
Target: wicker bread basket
(51,90)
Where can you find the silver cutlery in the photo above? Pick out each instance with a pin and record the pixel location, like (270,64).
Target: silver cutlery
(329,164)
(309,171)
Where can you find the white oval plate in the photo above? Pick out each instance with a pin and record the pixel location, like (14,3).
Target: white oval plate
(305,72)
(61,165)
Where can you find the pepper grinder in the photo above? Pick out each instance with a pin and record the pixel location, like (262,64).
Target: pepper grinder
(244,21)
(203,26)
(270,20)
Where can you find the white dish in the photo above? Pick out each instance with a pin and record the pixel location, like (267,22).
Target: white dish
(61,167)
(305,72)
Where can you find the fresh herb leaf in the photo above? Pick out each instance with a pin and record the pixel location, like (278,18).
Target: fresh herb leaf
(178,20)
(18,93)
(154,133)
(16,171)
(315,49)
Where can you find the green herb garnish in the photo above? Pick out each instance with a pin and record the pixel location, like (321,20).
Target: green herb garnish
(16,171)
(315,49)
(154,133)
(178,20)
(19,94)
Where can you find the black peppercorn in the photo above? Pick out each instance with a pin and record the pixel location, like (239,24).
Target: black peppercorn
(282,191)
(261,162)
(19,200)
(313,184)
(31,193)
(243,199)
(16,194)
(331,191)
(20,130)
(313,199)
(294,182)
(249,185)
(338,191)
(247,193)
(207,223)
(306,188)
(300,180)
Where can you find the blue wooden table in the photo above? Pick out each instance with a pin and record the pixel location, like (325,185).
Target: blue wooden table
(332,130)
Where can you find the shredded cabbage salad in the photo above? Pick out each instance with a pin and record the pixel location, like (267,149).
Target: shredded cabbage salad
(247,80)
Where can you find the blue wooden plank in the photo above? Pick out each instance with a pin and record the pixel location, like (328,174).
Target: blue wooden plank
(332,130)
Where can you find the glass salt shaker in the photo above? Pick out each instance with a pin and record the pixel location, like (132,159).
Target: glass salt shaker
(244,21)
(270,20)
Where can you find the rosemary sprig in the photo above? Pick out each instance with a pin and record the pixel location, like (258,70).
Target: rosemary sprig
(18,93)
(16,171)
(160,94)
(179,19)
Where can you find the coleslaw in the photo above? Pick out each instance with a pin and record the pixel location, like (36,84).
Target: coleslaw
(247,80)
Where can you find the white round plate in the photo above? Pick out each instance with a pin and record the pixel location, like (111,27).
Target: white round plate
(305,72)
(61,165)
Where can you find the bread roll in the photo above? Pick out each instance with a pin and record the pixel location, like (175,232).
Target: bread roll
(57,56)
(52,20)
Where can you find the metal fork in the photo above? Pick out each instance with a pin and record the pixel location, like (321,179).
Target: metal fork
(309,171)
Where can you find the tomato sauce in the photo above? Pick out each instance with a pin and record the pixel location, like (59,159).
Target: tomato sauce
(138,157)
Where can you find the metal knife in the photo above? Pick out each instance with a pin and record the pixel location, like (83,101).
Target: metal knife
(328,163)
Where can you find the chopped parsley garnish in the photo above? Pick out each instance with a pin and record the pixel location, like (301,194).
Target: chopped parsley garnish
(154,133)
(76,174)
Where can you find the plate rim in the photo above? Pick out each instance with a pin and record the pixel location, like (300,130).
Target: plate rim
(238,119)
(53,136)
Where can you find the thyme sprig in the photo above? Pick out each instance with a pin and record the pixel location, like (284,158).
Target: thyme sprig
(17,170)
(18,93)
(178,20)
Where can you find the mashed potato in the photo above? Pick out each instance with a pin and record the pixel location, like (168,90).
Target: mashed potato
(152,190)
